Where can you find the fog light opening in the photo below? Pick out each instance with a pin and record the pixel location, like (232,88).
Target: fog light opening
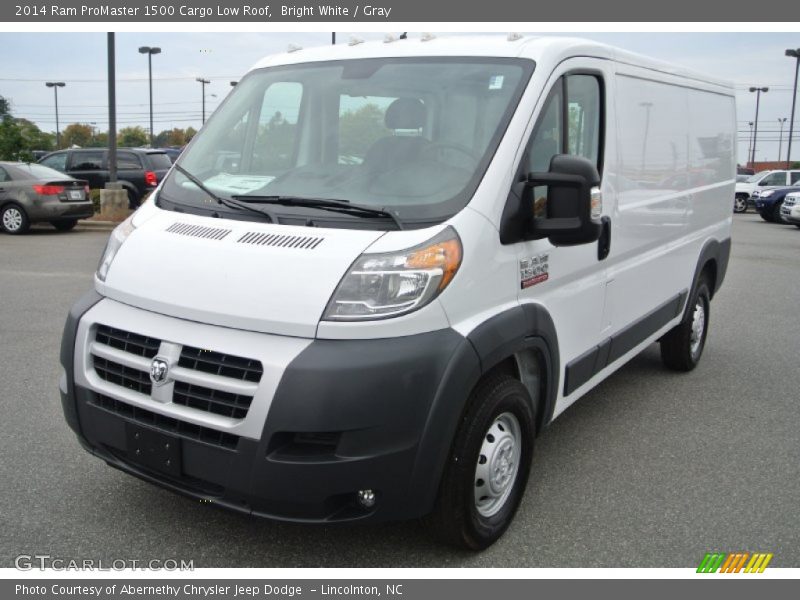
(366,498)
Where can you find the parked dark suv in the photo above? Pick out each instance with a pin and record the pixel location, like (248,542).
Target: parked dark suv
(138,170)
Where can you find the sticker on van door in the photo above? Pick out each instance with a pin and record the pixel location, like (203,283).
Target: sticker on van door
(533,270)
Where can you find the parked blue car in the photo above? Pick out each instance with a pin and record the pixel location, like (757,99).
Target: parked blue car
(768,202)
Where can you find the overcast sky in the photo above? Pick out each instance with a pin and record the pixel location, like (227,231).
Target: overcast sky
(79,59)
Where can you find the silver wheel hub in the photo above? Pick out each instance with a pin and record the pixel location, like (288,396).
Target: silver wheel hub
(698,327)
(498,464)
(12,219)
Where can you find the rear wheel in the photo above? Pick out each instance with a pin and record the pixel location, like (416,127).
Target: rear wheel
(487,470)
(683,345)
(740,204)
(65,225)
(14,219)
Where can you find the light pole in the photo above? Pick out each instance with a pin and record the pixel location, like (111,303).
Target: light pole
(150,51)
(203,83)
(796,55)
(749,142)
(758,91)
(55,85)
(781,122)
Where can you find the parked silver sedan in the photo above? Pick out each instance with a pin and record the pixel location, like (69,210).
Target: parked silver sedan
(31,193)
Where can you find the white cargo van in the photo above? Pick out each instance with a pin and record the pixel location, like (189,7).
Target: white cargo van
(380,270)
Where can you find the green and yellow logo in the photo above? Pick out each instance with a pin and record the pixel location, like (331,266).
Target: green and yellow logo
(735,562)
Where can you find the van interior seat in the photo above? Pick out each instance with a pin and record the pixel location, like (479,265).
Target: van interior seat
(393,151)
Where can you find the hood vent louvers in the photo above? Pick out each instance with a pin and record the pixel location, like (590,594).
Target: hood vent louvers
(298,242)
(208,233)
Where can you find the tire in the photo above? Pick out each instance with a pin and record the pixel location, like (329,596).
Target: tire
(767,216)
(740,204)
(67,225)
(133,199)
(497,428)
(682,346)
(776,213)
(797,225)
(14,219)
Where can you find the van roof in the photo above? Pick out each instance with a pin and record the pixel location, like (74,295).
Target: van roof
(547,51)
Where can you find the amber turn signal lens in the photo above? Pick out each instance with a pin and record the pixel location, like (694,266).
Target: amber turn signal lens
(443,255)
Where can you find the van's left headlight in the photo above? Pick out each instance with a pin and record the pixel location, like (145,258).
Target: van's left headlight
(115,241)
(379,286)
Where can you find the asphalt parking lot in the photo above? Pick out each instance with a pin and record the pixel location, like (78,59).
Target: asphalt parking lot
(651,469)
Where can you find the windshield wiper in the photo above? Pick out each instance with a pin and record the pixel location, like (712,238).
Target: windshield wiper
(230,203)
(323,204)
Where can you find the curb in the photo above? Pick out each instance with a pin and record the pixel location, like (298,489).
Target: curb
(92,225)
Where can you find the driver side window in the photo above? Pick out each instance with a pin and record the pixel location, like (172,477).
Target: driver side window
(569,124)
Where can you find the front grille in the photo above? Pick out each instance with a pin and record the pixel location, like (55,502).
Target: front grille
(126,341)
(132,379)
(789,201)
(217,363)
(167,424)
(206,398)
(213,401)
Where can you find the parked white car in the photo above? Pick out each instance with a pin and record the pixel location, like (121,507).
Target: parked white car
(423,252)
(790,210)
(761,180)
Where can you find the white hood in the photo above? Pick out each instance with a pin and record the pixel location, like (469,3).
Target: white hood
(260,277)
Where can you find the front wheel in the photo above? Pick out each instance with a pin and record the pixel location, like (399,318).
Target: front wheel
(683,345)
(740,204)
(777,217)
(487,470)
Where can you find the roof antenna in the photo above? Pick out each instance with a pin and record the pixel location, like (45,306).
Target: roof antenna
(404,35)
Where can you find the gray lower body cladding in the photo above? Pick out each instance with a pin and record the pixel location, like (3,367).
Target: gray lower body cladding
(347,415)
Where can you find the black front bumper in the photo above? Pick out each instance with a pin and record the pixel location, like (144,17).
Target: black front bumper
(348,415)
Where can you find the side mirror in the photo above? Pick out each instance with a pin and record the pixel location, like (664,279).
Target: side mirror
(573,208)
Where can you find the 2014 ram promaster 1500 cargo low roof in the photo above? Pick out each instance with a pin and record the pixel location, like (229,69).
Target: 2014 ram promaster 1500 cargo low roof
(380,270)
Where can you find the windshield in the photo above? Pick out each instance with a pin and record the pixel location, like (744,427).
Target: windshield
(412,136)
(755,178)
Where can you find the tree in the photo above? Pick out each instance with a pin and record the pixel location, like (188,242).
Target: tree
(34,138)
(77,134)
(172,137)
(132,137)
(19,137)
(359,129)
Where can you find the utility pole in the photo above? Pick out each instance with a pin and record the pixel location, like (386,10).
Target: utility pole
(781,122)
(112,111)
(203,83)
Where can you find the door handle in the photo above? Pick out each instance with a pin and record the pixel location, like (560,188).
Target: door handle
(604,241)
